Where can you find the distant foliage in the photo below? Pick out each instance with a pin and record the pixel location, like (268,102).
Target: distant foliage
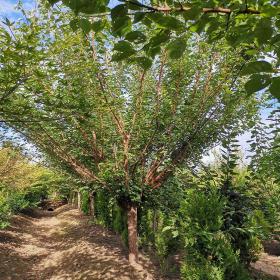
(23,184)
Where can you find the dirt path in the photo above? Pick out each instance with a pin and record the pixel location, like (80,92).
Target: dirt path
(63,245)
(269,261)
(269,265)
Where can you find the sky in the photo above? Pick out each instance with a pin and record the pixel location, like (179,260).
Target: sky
(8,9)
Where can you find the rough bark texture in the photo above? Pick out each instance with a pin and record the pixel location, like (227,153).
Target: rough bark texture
(132,234)
(72,198)
(91,204)
(79,200)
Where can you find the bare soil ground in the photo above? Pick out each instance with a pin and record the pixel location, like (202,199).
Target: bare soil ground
(63,245)
(269,262)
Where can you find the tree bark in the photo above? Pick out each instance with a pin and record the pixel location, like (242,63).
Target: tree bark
(79,200)
(74,199)
(132,234)
(91,204)
(71,198)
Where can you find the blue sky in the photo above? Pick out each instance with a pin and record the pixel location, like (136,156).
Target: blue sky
(7,8)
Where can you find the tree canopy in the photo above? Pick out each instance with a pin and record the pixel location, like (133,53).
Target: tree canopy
(143,29)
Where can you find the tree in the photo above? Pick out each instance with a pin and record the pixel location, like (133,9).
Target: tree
(24,183)
(116,125)
(144,29)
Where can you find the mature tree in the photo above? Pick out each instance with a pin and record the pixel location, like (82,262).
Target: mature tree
(116,125)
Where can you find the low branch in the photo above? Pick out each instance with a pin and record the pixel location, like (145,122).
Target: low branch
(167,9)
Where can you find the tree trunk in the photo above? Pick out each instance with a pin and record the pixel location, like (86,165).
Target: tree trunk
(132,234)
(91,204)
(73,200)
(79,200)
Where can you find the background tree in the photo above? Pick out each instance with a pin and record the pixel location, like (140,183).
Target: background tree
(24,183)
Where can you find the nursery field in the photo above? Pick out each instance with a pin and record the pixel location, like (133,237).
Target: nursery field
(140,140)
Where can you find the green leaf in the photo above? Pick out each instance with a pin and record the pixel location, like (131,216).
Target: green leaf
(123,46)
(135,36)
(159,38)
(74,24)
(124,49)
(275,87)
(138,17)
(121,25)
(201,24)
(256,67)
(257,82)
(119,11)
(7,22)
(97,26)
(275,39)
(166,228)
(85,25)
(192,14)
(263,31)
(152,52)
(52,2)
(119,56)
(135,5)
(144,62)
(166,21)
(270,11)
(176,48)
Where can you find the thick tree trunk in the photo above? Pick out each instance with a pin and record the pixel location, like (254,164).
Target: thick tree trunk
(132,234)
(73,199)
(79,200)
(91,204)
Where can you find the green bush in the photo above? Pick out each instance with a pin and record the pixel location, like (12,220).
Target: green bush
(85,202)
(103,208)
(199,271)
(5,212)
(213,250)
(11,204)
(119,222)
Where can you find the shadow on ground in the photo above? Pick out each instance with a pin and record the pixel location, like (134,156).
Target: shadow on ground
(63,245)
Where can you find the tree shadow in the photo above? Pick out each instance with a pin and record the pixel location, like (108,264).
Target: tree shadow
(272,247)
(68,247)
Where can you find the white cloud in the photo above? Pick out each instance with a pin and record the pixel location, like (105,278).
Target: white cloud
(8,8)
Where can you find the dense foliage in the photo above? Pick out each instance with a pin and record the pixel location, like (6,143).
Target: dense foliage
(23,184)
(143,29)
